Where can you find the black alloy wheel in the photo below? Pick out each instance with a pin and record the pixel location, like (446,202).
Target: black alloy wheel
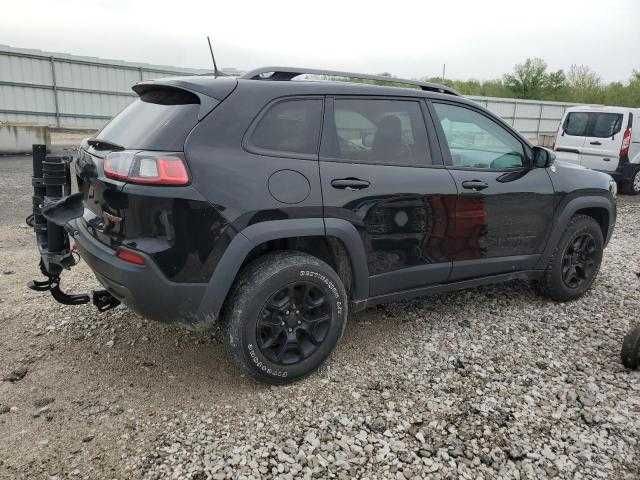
(293,323)
(579,261)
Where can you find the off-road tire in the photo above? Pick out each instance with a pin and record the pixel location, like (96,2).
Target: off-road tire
(552,284)
(631,186)
(256,285)
(630,353)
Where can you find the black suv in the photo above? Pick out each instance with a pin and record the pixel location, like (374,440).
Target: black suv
(276,206)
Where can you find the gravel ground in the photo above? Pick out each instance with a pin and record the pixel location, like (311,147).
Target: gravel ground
(488,383)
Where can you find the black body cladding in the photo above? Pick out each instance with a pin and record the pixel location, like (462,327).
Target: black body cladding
(370,178)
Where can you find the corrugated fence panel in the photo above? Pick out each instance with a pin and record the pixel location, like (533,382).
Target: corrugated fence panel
(91,103)
(27,99)
(502,109)
(93,77)
(532,118)
(25,70)
(78,92)
(19,119)
(148,75)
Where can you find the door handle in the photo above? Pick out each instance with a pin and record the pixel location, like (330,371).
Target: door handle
(595,143)
(349,183)
(476,185)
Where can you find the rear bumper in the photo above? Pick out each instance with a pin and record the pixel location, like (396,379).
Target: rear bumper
(144,288)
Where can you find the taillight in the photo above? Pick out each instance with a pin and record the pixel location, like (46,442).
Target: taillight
(147,168)
(129,256)
(626,143)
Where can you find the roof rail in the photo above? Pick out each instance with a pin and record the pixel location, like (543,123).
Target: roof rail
(289,73)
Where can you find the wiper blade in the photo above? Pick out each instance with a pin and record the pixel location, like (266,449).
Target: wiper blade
(104,145)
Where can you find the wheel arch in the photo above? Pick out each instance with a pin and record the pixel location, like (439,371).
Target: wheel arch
(334,241)
(600,208)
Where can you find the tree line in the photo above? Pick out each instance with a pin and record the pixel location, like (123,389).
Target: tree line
(532,80)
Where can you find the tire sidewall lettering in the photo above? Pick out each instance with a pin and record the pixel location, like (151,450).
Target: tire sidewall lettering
(262,367)
(328,283)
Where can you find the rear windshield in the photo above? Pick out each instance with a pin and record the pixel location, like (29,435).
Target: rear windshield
(160,119)
(592,124)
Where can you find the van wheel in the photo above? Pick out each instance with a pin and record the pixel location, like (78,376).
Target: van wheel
(632,186)
(284,317)
(575,262)
(631,349)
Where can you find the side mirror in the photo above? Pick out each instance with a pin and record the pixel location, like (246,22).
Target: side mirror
(543,157)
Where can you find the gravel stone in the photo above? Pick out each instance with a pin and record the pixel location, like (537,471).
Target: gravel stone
(16,375)
(41,402)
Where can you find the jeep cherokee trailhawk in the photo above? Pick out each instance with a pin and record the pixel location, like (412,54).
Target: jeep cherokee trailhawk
(276,206)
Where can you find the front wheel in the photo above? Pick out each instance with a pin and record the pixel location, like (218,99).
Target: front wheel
(285,315)
(576,260)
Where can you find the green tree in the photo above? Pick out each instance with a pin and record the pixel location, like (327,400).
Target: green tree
(528,78)
(584,84)
(555,85)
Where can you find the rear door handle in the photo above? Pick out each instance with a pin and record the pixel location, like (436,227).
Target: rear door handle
(349,183)
(595,143)
(476,185)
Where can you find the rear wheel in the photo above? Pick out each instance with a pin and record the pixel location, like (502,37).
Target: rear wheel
(285,315)
(576,260)
(632,186)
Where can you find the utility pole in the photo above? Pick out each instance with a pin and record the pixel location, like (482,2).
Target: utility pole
(444,69)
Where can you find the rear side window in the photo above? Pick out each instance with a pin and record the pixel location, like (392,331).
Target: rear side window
(289,127)
(576,124)
(605,124)
(385,132)
(160,119)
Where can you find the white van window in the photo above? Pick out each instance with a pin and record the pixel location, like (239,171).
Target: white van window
(576,124)
(605,125)
(592,124)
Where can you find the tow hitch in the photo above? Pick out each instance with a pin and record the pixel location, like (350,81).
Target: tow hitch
(53,207)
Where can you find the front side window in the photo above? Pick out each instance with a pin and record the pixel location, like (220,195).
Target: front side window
(576,124)
(290,127)
(476,141)
(384,132)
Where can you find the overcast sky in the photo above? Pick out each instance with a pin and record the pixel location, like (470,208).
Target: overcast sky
(476,39)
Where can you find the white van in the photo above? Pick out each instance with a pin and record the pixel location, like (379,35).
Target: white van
(600,138)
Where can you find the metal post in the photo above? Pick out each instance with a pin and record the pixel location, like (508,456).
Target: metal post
(515,112)
(140,73)
(55,90)
(539,121)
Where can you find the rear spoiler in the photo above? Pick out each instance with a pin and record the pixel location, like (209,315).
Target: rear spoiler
(147,88)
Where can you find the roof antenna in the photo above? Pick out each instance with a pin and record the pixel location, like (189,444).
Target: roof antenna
(216,72)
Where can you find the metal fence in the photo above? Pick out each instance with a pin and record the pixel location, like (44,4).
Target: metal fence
(537,120)
(68,91)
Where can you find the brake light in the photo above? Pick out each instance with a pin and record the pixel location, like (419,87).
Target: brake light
(129,256)
(147,168)
(626,143)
